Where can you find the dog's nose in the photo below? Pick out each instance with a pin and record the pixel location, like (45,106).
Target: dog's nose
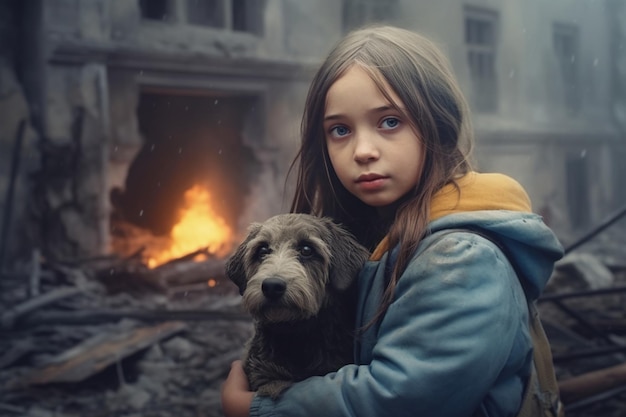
(273,288)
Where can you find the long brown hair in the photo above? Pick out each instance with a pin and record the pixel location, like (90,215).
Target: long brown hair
(420,75)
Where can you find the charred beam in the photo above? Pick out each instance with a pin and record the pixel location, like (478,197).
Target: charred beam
(601,227)
(591,383)
(105,316)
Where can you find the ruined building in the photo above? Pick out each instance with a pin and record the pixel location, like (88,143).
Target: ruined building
(119,115)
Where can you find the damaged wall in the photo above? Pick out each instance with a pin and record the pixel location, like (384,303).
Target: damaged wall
(617,29)
(87,65)
(18,142)
(102,56)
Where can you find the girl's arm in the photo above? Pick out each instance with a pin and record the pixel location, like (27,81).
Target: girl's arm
(441,346)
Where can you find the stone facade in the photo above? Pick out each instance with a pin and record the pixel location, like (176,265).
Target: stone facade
(87,70)
(551,127)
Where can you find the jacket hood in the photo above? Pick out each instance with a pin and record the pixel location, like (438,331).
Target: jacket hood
(499,207)
(529,244)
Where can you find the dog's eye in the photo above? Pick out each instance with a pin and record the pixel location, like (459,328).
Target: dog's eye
(306,251)
(263,251)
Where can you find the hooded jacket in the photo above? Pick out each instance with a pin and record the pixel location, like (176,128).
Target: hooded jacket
(455,341)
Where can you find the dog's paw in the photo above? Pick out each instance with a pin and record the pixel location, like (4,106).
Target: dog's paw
(273,389)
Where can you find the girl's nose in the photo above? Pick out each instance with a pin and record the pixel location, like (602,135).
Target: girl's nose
(365,149)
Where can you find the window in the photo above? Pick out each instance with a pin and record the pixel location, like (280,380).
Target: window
(155,9)
(577,171)
(619,173)
(565,40)
(359,12)
(206,12)
(236,15)
(247,16)
(480,40)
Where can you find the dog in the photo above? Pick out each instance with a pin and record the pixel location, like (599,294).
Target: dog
(297,275)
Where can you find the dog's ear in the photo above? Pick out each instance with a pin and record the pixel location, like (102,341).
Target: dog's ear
(347,259)
(235,269)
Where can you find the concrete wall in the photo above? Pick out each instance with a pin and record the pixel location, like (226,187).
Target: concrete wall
(531,134)
(101,55)
(88,61)
(18,142)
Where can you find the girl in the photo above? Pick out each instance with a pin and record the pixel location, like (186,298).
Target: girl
(442,315)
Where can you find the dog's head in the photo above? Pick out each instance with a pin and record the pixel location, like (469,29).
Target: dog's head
(288,267)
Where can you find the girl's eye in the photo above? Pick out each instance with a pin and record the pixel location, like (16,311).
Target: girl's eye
(339,131)
(390,123)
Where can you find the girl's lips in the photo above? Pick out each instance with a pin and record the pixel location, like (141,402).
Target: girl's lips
(369,177)
(371,182)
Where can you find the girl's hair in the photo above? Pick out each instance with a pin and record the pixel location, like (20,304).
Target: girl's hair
(420,75)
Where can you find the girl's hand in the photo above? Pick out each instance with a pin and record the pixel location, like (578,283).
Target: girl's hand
(236,394)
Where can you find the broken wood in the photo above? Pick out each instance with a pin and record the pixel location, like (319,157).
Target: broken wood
(190,272)
(97,353)
(8,318)
(129,277)
(613,326)
(104,316)
(621,212)
(588,353)
(16,352)
(592,383)
(189,257)
(10,192)
(35,274)
(18,411)
(582,294)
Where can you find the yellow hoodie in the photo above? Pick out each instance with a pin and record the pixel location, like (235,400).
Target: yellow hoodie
(475,192)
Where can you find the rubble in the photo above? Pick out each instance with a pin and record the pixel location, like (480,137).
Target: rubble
(111,337)
(583,314)
(85,348)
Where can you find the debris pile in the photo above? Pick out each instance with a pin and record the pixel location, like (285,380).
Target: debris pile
(585,320)
(111,337)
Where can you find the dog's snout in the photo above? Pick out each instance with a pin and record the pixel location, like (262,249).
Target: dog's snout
(273,288)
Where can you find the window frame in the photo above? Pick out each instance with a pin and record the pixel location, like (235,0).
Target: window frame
(481,48)
(566,47)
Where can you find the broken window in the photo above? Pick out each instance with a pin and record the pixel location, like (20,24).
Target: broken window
(565,40)
(236,15)
(155,9)
(576,171)
(619,169)
(359,12)
(480,40)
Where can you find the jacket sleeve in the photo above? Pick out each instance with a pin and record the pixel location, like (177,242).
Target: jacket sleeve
(440,347)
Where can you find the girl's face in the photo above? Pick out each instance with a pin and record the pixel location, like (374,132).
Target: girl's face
(374,150)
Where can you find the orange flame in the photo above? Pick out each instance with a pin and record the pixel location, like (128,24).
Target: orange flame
(198,228)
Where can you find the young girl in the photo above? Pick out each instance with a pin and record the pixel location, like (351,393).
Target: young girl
(442,314)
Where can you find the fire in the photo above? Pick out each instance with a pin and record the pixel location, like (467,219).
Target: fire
(198,228)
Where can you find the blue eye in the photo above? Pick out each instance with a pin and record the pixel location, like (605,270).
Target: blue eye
(390,123)
(339,131)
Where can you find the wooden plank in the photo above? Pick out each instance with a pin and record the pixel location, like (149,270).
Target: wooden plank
(8,318)
(105,316)
(15,352)
(96,354)
(586,385)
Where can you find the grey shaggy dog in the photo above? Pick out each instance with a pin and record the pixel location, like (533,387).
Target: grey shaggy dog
(296,273)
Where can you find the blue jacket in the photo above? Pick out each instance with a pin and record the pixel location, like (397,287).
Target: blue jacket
(455,341)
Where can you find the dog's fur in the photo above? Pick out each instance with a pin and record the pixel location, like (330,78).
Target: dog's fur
(296,273)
